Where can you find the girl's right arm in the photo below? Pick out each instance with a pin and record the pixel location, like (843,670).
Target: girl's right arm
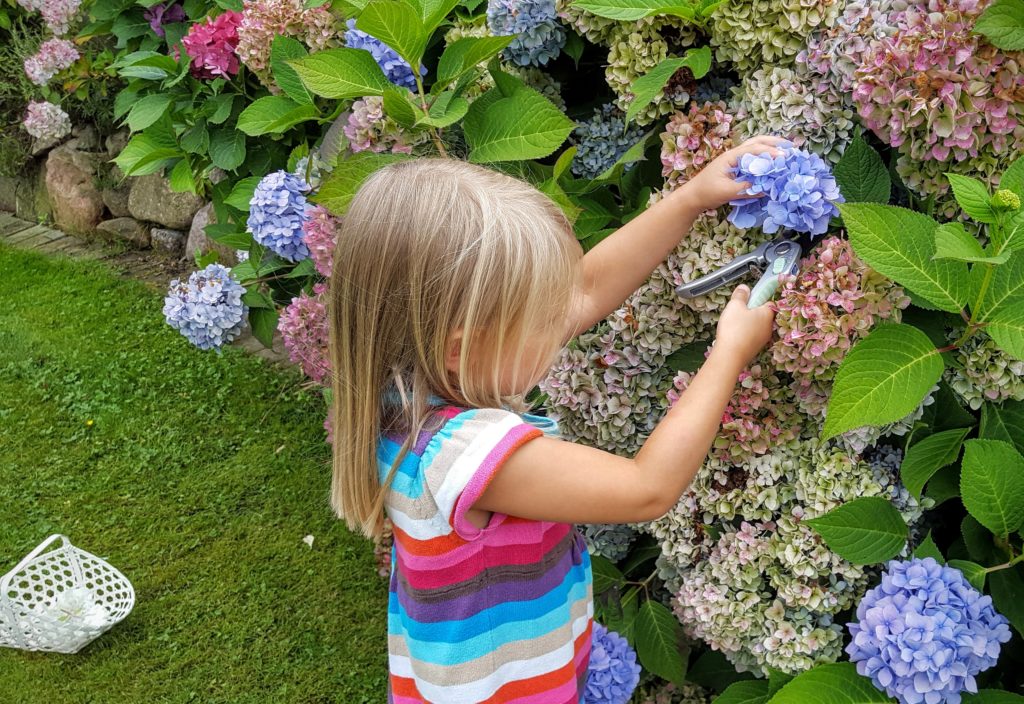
(552,480)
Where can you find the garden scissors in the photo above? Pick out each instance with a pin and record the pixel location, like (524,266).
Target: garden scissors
(772,259)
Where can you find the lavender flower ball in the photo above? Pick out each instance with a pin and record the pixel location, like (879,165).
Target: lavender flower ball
(208,309)
(540,36)
(276,212)
(801,192)
(924,633)
(397,69)
(613,673)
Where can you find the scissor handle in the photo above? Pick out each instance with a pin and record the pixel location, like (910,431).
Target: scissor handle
(785,260)
(705,284)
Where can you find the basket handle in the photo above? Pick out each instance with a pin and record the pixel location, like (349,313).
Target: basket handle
(28,558)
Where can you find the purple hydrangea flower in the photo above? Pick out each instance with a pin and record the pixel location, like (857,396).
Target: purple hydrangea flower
(208,308)
(163,13)
(924,633)
(277,210)
(801,192)
(540,36)
(397,69)
(613,673)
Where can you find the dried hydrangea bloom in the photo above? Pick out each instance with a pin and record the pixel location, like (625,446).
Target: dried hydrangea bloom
(670,693)
(303,326)
(541,81)
(46,121)
(539,36)
(794,102)
(836,52)
(262,20)
(596,30)
(609,540)
(369,129)
(985,373)
(692,139)
(754,490)
(58,15)
(751,33)
(54,56)
(601,140)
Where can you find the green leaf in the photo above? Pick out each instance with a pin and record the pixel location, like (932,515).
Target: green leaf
(573,47)
(147,111)
(777,680)
(338,189)
(1006,287)
(220,108)
(745,692)
(952,241)
(981,544)
(229,237)
(447,109)
(399,107)
(263,322)
(242,192)
(992,485)
(466,54)
(900,244)
(282,49)
(227,150)
(864,531)
(1006,327)
(606,575)
(973,197)
(1004,421)
(1013,178)
(180,179)
(273,114)
(1005,587)
(196,139)
(928,548)
(1002,23)
(973,572)
(660,643)
(861,175)
(525,125)
(145,154)
(712,671)
(925,458)
(945,485)
(646,88)
(992,696)
(882,379)
(432,12)
(304,268)
(341,73)
(633,154)
(638,9)
(830,684)
(397,24)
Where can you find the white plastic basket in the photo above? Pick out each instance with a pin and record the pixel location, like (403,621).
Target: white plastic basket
(59,601)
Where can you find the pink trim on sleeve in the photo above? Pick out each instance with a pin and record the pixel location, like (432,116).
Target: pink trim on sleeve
(478,483)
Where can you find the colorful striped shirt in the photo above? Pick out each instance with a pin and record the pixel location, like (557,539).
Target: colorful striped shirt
(501,614)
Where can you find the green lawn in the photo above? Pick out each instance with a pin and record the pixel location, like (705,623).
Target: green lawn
(198,477)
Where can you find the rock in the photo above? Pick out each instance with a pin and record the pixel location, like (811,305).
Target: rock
(32,202)
(172,241)
(77,203)
(125,229)
(85,138)
(8,193)
(152,199)
(197,239)
(116,200)
(41,146)
(115,142)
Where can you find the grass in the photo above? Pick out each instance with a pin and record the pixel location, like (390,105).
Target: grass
(197,475)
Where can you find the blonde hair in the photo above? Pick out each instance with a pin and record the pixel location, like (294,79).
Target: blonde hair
(429,247)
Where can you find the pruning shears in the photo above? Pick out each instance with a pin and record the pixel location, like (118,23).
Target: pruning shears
(772,259)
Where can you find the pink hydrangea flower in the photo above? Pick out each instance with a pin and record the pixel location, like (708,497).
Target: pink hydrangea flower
(46,121)
(57,14)
(369,129)
(54,55)
(262,20)
(693,139)
(303,325)
(211,46)
(320,232)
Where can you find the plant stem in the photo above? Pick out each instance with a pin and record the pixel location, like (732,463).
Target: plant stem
(1005,565)
(426,108)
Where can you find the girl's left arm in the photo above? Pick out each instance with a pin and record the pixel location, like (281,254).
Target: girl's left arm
(620,263)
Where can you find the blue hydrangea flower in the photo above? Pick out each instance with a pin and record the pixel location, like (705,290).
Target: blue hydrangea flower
(397,69)
(613,673)
(924,633)
(801,192)
(276,212)
(601,140)
(541,36)
(208,308)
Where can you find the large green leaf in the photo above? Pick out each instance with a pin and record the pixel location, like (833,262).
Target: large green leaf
(227,149)
(925,458)
(282,50)
(524,125)
(241,193)
(830,684)
(273,114)
(638,9)
(900,244)
(745,692)
(466,54)
(400,107)
(1006,327)
(341,73)
(397,24)
(447,108)
(1006,587)
(263,322)
(337,190)
(883,378)
(712,671)
(433,12)
(1002,23)
(145,154)
(992,484)
(928,548)
(864,531)
(972,195)
(660,643)
(992,696)
(1003,421)
(147,111)
(952,241)
(1006,287)
(861,175)
(646,87)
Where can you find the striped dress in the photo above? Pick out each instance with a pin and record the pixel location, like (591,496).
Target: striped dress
(501,614)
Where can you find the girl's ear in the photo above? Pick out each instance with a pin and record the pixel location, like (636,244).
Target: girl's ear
(453,352)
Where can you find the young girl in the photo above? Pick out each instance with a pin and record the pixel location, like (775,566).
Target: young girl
(453,289)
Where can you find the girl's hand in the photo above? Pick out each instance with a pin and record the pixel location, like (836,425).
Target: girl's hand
(715,186)
(743,332)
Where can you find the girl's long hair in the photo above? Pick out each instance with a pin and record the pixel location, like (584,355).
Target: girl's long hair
(429,249)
